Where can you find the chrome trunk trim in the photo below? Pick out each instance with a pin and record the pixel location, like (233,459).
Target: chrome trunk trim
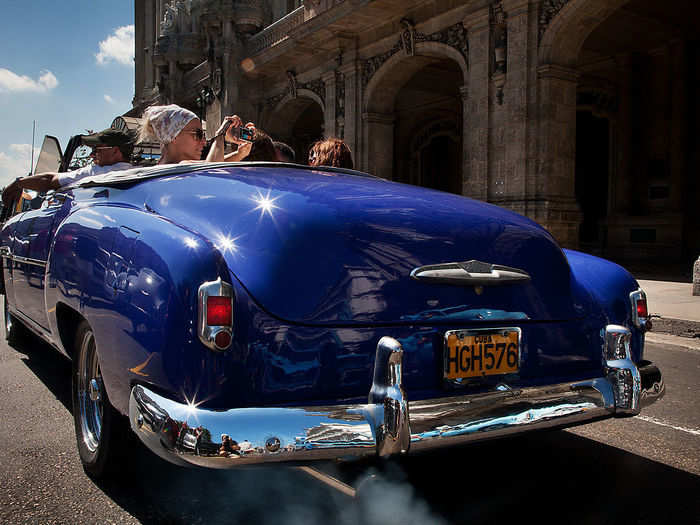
(469,273)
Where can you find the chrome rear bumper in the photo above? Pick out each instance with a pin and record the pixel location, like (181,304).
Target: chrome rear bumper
(384,426)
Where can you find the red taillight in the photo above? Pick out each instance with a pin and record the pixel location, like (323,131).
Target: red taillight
(642,308)
(219,311)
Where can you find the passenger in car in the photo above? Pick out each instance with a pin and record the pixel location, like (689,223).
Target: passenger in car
(111,151)
(262,148)
(331,152)
(284,152)
(178,131)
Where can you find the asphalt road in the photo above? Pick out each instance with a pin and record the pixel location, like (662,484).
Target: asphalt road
(638,470)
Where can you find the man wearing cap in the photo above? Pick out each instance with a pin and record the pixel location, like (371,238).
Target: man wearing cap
(111,149)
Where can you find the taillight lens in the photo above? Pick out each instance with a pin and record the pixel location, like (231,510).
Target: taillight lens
(642,307)
(219,311)
(215,316)
(640,313)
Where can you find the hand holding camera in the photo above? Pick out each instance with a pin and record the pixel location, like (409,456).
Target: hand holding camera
(232,130)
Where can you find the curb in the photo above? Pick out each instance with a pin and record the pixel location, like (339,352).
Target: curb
(673,340)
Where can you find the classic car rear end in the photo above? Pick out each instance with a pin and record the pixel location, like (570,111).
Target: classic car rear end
(313,314)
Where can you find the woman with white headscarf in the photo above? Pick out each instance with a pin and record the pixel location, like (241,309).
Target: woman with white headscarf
(178,130)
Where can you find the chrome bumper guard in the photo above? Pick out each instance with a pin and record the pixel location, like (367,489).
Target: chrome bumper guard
(383,426)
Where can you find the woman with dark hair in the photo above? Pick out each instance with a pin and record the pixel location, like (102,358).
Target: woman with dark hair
(331,152)
(263,148)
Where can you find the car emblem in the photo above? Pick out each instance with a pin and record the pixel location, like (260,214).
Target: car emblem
(470,273)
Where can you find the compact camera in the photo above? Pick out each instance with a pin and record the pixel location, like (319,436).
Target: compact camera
(243,134)
(239,132)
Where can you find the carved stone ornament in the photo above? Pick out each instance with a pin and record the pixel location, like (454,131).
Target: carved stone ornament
(340,103)
(454,36)
(500,38)
(292,79)
(216,81)
(408,37)
(548,10)
(318,86)
(168,24)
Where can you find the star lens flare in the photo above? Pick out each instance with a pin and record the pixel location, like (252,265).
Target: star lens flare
(264,203)
(227,244)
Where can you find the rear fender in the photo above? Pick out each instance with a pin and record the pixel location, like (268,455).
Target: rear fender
(610,285)
(134,277)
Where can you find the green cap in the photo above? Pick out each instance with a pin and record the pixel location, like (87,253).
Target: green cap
(108,137)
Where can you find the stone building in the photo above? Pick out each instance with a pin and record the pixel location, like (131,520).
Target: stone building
(581,114)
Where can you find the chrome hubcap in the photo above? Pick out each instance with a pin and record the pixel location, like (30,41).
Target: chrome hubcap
(90,393)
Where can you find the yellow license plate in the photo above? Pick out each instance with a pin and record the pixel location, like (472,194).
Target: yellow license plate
(483,352)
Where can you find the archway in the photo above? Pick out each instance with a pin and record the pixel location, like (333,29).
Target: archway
(297,121)
(414,120)
(627,148)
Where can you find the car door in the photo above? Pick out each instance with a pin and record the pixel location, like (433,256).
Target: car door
(30,250)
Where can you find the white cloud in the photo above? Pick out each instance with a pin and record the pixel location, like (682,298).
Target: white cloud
(108,99)
(118,47)
(10,81)
(16,163)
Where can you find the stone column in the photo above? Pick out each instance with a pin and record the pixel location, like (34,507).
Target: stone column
(329,117)
(515,105)
(476,132)
(558,211)
(380,150)
(149,43)
(466,122)
(696,277)
(141,48)
(353,104)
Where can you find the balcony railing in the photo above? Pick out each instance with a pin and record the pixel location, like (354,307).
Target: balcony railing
(275,33)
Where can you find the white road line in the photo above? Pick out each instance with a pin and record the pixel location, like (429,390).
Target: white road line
(669,425)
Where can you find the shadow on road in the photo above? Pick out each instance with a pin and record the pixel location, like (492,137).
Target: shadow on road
(553,477)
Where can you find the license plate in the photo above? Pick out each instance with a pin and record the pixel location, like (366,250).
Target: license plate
(482,352)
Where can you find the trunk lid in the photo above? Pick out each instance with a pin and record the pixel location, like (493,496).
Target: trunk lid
(316,247)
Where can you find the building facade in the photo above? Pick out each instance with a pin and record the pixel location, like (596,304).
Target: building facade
(581,114)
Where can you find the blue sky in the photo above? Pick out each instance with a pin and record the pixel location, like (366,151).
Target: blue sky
(67,65)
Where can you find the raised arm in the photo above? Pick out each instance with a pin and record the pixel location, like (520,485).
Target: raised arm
(39,182)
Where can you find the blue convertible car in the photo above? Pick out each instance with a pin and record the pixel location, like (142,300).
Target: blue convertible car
(262,313)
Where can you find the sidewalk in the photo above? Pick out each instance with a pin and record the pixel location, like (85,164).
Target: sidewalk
(671,300)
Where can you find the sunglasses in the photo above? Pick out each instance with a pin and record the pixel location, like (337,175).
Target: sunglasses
(198,133)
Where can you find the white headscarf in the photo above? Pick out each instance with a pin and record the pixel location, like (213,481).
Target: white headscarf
(164,123)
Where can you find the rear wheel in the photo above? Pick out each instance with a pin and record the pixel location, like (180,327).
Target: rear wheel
(99,429)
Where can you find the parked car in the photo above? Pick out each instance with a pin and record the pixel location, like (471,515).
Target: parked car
(315,313)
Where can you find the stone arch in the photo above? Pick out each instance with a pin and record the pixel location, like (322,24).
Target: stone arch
(380,96)
(382,88)
(289,119)
(280,119)
(562,40)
